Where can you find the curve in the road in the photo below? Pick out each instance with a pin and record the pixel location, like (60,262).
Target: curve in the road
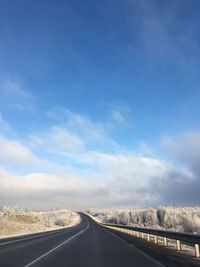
(85,245)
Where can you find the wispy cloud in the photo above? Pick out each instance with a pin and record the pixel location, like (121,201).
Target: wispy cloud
(5,126)
(120,112)
(79,123)
(15,94)
(146,150)
(58,141)
(94,134)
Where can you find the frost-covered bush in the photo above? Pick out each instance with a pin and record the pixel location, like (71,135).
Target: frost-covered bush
(169,218)
(191,223)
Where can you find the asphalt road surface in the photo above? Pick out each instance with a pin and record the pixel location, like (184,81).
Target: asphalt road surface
(87,244)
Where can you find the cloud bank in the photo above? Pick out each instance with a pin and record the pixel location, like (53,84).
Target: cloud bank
(70,165)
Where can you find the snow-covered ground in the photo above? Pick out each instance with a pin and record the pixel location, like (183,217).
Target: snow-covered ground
(169,218)
(14,221)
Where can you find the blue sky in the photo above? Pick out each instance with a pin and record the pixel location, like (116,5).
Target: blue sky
(88,86)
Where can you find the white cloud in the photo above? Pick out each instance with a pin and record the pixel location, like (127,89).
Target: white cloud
(79,124)
(111,180)
(13,151)
(120,180)
(13,91)
(58,141)
(64,166)
(22,158)
(95,135)
(43,190)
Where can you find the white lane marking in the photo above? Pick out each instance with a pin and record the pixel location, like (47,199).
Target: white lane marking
(53,249)
(31,237)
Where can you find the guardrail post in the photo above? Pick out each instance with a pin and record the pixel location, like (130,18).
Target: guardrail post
(148,237)
(178,245)
(155,239)
(197,250)
(165,242)
(142,235)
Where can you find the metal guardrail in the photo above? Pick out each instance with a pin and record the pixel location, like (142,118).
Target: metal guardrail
(148,233)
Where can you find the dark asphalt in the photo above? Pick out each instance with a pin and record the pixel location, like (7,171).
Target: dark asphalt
(85,245)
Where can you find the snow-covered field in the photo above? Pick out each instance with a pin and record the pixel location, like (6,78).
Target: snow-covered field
(169,218)
(14,221)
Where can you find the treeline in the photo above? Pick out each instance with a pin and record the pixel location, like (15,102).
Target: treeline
(168,218)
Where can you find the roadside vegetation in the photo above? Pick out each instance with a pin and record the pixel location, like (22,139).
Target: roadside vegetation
(14,221)
(168,218)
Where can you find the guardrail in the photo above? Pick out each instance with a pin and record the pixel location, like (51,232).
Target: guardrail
(149,234)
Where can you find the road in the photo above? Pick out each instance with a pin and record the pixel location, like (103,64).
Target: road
(85,245)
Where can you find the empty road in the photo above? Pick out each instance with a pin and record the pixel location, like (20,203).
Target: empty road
(85,245)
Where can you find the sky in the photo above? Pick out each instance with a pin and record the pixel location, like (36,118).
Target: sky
(99,103)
